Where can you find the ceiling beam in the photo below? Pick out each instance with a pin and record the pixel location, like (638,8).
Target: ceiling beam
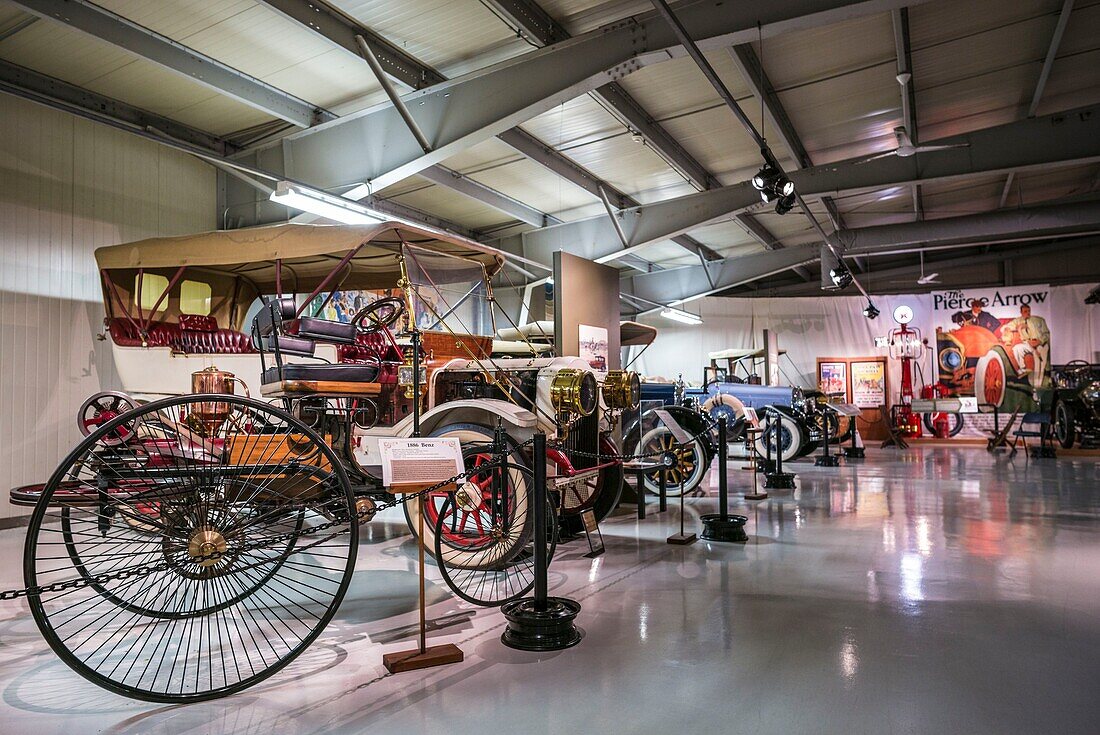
(674,286)
(1038,143)
(480,192)
(574,173)
(462,112)
(541,28)
(176,57)
(22,82)
(1044,74)
(1004,254)
(764,236)
(342,29)
(752,72)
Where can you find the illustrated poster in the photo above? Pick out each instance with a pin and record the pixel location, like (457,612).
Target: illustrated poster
(593,346)
(868,384)
(993,344)
(832,379)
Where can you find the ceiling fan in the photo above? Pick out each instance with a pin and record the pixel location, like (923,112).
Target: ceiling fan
(924,279)
(906,147)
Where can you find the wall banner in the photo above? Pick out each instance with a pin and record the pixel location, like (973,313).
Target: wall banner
(994,344)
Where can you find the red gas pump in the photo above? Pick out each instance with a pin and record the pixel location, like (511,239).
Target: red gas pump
(906,345)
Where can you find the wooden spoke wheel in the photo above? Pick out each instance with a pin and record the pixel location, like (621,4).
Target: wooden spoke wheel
(690,467)
(191,626)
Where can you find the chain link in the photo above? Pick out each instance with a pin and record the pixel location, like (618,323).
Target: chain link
(499,460)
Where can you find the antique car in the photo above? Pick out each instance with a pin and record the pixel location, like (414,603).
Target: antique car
(731,388)
(1076,405)
(229,523)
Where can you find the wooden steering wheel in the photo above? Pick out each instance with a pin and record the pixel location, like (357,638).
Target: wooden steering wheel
(378,315)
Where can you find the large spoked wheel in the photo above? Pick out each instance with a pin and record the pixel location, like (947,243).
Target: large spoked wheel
(690,467)
(464,529)
(504,508)
(191,544)
(955,423)
(1065,427)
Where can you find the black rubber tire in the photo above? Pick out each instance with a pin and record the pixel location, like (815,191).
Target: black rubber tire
(1065,426)
(955,419)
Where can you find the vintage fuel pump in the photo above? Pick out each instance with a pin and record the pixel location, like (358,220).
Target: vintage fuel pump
(906,345)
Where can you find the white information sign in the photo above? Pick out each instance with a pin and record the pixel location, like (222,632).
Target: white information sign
(409,461)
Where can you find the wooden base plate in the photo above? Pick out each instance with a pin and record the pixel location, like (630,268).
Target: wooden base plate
(681,539)
(448,653)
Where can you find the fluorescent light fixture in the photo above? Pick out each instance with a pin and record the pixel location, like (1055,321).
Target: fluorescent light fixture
(325,205)
(679,315)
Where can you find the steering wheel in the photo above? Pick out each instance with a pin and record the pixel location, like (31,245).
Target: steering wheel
(378,315)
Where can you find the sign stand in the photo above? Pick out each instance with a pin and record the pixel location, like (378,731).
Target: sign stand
(424,656)
(751,433)
(681,539)
(826,459)
(593,533)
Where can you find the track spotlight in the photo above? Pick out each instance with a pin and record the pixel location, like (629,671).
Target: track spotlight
(841,276)
(870,311)
(765,178)
(772,184)
(785,203)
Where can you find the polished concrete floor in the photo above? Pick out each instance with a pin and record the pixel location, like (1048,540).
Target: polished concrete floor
(934,590)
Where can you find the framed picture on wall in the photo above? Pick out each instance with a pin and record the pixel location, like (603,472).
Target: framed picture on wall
(868,383)
(832,378)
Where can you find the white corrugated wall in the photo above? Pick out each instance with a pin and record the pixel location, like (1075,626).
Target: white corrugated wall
(68,186)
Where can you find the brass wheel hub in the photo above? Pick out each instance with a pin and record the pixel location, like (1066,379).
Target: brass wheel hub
(204,542)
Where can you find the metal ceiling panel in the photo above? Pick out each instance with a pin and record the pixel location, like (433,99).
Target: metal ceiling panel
(626,165)
(1082,31)
(63,52)
(719,142)
(1042,186)
(1074,82)
(453,37)
(846,116)
(579,16)
(940,22)
(805,57)
(579,121)
(532,184)
(677,87)
(975,103)
(450,205)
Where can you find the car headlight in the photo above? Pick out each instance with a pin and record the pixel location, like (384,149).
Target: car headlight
(1091,392)
(622,389)
(574,391)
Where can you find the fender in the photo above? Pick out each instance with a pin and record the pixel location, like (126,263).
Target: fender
(692,421)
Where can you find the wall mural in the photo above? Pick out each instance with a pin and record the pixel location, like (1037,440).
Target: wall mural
(994,345)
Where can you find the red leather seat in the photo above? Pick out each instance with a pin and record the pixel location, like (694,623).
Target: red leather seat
(373,348)
(189,341)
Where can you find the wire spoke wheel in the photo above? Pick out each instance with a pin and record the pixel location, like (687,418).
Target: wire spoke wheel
(470,548)
(213,499)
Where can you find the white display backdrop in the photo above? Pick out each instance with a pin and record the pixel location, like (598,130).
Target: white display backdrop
(834,326)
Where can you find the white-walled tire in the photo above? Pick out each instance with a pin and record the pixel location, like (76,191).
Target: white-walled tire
(510,518)
(691,465)
(791,439)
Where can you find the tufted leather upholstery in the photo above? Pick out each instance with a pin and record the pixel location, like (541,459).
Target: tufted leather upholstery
(190,341)
(373,348)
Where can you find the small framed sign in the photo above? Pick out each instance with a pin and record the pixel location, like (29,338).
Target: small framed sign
(592,531)
(419,461)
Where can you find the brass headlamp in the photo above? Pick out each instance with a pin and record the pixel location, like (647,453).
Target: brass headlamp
(574,392)
(622,389)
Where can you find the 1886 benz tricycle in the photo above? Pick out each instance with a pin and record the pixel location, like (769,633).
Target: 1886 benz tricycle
(197,540)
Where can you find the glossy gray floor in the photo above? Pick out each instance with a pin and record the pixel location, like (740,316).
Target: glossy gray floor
(927,591)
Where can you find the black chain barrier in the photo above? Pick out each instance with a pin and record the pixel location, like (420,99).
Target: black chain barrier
(100,579)
(367,513)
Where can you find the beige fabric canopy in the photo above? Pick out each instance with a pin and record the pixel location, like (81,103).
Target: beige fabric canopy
(308,253)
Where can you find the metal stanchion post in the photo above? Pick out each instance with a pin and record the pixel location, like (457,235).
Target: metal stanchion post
(662,485)
(778,480)
(541,623)
(723,526)
(826,459)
